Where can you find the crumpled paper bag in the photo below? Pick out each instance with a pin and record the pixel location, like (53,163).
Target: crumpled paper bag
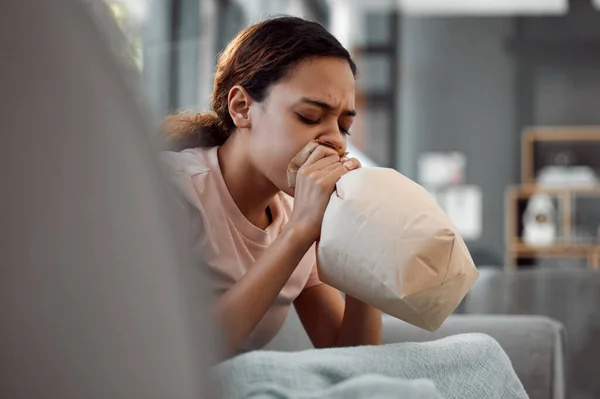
(385,241)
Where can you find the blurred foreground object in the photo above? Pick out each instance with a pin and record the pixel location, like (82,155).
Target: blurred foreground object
(96,299)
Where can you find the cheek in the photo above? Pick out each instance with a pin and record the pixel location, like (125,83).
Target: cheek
(275,141)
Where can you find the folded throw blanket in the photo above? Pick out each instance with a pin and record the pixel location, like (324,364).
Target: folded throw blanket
(466,366)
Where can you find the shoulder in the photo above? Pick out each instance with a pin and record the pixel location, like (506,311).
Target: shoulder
(191,161)
(188,171)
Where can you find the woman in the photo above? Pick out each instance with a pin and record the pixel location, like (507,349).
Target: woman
(278,85)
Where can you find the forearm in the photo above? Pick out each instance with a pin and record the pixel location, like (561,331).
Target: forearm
(242,307)
(361,324)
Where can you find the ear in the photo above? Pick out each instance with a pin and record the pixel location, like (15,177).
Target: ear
(239,102)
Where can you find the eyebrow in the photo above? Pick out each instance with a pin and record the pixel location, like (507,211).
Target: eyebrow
(327,106)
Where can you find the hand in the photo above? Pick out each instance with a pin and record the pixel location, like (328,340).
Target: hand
(315,182)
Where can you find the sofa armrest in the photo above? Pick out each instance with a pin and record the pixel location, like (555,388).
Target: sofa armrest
(535,345)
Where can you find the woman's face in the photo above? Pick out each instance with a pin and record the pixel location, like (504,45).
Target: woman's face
(316,101)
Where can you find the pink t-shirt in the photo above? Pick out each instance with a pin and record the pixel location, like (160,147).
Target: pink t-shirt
(228,242)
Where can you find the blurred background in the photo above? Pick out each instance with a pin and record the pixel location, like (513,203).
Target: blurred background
(491,105)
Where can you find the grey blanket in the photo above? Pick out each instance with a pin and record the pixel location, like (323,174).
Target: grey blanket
(467,366)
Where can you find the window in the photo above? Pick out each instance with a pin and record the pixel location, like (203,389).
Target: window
(130,16)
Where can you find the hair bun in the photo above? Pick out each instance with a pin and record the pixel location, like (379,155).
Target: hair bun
(192,130)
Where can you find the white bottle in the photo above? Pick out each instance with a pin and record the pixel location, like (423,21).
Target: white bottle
(539,221)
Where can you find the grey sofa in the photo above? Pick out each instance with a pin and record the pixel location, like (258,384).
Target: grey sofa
(571,296)
(535,344)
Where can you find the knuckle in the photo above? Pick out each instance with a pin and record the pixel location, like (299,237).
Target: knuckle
(303,172)
(322,184)
(310,178)
(326,151)
(319,150)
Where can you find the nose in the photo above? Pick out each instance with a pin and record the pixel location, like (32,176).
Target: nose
(334,137)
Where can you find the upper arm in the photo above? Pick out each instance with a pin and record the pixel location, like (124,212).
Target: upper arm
(321,311)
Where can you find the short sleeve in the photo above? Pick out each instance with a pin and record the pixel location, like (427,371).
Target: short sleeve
(313,278)
(179,168)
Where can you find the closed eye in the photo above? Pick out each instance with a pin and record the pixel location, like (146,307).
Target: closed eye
(309,121)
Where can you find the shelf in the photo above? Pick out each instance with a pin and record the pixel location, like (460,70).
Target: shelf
(558,248)
(564,248)
(545,147)
(582,137)
(562,134)
(526,190)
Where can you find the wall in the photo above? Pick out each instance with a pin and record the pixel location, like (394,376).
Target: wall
(457,91)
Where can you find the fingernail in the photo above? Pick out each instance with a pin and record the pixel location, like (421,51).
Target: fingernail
(348,165)
(344,159)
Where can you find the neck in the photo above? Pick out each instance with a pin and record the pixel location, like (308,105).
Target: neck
(250,190)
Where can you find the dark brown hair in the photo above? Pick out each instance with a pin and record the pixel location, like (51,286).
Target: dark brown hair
(257,58)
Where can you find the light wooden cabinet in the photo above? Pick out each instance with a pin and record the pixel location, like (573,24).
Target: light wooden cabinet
(560,168)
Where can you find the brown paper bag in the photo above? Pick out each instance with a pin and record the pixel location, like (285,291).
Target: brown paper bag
(386,242)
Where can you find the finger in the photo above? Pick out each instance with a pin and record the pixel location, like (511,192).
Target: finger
(321,164)
(319,153)
(327,169)
(335,174)
(352,164)
(327,181)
